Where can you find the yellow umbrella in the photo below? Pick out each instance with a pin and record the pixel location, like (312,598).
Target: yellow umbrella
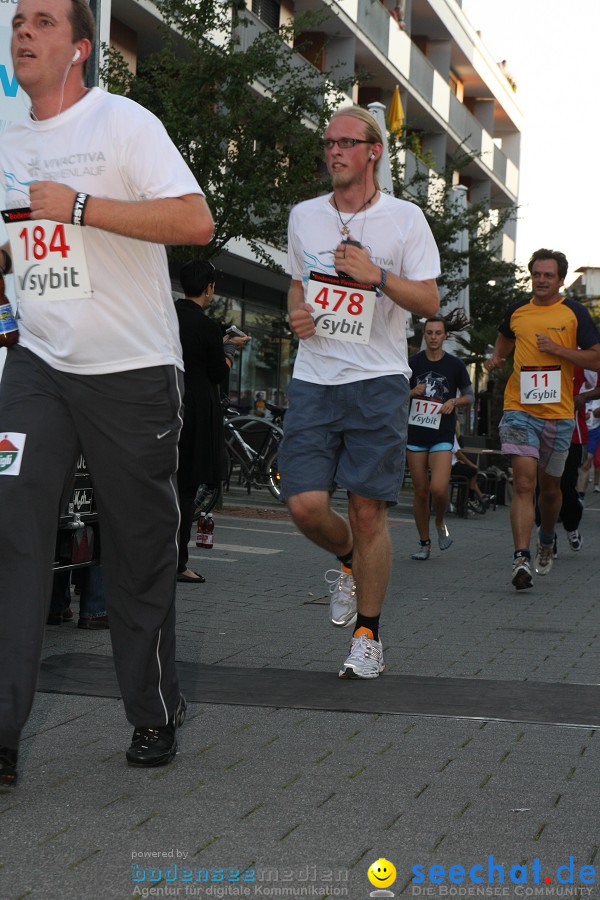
(395,116)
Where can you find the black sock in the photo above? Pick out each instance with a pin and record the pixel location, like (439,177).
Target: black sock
(370,623)
(346,560)
(524,552)
(426,543)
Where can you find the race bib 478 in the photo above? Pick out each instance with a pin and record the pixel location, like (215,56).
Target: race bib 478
(343,307)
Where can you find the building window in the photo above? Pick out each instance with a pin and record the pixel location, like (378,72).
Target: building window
(268,11)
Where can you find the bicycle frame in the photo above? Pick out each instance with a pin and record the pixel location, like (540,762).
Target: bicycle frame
(255,464)
(258,467)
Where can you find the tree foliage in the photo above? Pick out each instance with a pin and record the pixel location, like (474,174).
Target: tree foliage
(475,263)
(243,109)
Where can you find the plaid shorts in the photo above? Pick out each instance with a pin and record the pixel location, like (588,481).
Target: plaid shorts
(547,440)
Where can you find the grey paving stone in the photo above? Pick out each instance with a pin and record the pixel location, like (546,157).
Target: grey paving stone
(292,788)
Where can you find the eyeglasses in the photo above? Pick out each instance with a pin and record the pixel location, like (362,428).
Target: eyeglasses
(343,143)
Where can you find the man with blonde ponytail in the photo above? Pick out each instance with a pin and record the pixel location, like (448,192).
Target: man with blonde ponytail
(358,260)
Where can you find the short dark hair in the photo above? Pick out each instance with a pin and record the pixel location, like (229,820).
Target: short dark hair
(195,276)
(83,24)
(559,258)
(82,20)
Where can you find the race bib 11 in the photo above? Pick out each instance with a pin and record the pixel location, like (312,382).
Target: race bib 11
(540,384)
(48,258)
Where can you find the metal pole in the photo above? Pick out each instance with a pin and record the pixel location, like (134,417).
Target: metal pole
(384,172)
(93,73)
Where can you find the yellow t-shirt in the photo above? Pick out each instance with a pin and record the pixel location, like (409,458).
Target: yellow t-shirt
(566,322)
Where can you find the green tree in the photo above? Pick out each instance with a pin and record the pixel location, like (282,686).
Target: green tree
(493,283)
(244,110)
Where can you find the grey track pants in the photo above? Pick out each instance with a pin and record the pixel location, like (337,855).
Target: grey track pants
(127,426)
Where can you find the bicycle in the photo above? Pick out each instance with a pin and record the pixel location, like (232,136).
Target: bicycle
(251,447)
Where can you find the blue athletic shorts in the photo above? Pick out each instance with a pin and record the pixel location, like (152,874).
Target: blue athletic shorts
(349,435)
(547,440)
(417,448)
(593,439)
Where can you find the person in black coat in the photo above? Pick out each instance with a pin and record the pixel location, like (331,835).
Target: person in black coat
(207,358)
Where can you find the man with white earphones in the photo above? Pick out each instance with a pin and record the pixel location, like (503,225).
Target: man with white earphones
(98,368)
(358,259)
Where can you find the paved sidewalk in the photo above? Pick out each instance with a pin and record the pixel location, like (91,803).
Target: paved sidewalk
(299,803)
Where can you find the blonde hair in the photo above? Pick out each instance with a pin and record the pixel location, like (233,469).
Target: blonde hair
(372,131)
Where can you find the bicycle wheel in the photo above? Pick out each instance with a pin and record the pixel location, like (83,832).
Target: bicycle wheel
(273,477)
(205,500)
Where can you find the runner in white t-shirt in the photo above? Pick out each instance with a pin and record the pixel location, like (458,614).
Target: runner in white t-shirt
(358,260)
(93,190)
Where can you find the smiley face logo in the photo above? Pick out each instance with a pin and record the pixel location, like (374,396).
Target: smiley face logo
(381,873)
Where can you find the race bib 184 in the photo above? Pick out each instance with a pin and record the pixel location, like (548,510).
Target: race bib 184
(48,258)
(343,307)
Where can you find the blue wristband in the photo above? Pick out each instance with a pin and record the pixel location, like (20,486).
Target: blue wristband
(381,284)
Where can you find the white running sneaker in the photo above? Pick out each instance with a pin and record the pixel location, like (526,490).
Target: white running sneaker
(342,605)
(521,573)
(444,539)
(365,660)
(543,558)
(575,540)
(423,551)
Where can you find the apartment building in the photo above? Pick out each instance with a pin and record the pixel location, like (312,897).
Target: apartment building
(454,95)
(586,289)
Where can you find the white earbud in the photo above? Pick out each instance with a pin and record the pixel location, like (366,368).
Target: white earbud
(76,56)
(372,156)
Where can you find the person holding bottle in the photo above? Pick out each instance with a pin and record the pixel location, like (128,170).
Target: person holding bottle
(207,359)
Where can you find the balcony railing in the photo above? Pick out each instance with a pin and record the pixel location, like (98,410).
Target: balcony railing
(500,164)
(421,74)
(374,20)
(465,125)
(247,34)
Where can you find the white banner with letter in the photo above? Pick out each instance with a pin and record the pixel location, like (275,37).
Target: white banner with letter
(14,106)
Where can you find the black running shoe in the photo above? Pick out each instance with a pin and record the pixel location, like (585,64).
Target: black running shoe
(8,766)
(156,746)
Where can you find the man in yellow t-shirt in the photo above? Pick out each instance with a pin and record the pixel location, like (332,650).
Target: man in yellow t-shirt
(550,334)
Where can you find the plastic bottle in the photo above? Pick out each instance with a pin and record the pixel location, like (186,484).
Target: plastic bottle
(9,332)
(201,531)
(209,532)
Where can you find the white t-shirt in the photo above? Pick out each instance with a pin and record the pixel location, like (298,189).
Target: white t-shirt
(399,239)
(591,381)
(110,147)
